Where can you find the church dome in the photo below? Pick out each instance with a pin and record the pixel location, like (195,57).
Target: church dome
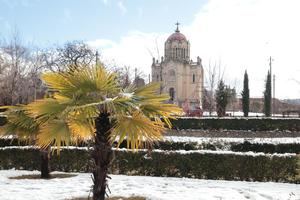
(177,47)
(177,36)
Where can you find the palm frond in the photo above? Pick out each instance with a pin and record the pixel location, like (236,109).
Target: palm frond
(136,129)
(83,82)
(81,125)
(55,133)
(46,109)
(19,124)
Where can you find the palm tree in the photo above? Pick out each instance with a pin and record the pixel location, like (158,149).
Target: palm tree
(25,128)
(86,102)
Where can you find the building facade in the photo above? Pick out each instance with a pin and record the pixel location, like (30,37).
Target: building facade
(179,76)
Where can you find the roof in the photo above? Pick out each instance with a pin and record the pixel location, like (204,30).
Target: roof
(177,36)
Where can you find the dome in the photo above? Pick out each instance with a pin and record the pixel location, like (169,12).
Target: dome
(177,36)
(177,47)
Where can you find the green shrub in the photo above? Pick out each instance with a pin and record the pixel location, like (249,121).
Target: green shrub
(174,164)
(170,145)
(266,147)
(254,124)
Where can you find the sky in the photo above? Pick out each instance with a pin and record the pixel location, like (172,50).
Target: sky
(236,35)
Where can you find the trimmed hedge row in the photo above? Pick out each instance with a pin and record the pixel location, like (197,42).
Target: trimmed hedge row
(254,124)
(187,146)
(195,165)
(236,147)
(266,147)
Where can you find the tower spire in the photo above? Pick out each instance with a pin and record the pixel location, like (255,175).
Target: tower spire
(177,29)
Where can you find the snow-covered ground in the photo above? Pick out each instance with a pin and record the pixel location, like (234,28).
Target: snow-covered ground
(154,188)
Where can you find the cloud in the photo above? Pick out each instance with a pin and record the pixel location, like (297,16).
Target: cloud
(102,43)
(122,7)
(238,34)
(135,49)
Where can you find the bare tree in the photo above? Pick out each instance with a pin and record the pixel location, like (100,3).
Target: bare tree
(127,76)
(15,57)
(20,69)
(213,75)
(72,53)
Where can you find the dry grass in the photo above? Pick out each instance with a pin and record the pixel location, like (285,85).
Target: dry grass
(38,176)
(114,198)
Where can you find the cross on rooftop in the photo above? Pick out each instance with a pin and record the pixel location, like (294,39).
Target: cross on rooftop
(177,29)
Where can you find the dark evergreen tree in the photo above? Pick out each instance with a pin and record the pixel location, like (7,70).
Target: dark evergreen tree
(245,95)
(222,98)
(268,96)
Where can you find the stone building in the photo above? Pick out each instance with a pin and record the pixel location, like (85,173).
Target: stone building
(180,77)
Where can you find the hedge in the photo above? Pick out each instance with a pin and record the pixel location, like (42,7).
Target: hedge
(246,146)
(254,124)
(260,167)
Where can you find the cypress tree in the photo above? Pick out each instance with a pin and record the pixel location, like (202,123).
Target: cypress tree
(221,98)
(268,96)
(245,95)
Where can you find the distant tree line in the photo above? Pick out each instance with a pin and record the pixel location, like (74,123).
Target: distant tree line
(218,95)
(22,64)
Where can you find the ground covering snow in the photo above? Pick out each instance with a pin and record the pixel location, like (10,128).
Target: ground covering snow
(154,188)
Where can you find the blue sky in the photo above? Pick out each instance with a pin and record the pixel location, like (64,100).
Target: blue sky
(57,21)
(233,34)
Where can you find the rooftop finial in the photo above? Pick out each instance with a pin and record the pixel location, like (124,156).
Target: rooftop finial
(177,29)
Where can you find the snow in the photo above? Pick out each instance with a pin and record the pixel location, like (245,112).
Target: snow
(241,114)
(107,99)
(249,153)
(274,117)
(227,140)
(154,188)
(126,94)
(236,113)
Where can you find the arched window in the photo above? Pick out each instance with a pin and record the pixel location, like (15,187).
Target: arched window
(171,72)
(194,78)
(157,77)
(172,94)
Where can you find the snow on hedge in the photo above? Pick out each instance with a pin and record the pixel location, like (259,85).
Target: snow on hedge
(250,153)
(246,118)
(153,188)
(227,140)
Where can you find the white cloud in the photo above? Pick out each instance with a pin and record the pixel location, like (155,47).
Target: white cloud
(102,43)
(122,7)
(240,34)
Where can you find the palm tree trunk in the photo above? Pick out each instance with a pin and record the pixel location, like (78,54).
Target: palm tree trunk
(45,164)
(101,155)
